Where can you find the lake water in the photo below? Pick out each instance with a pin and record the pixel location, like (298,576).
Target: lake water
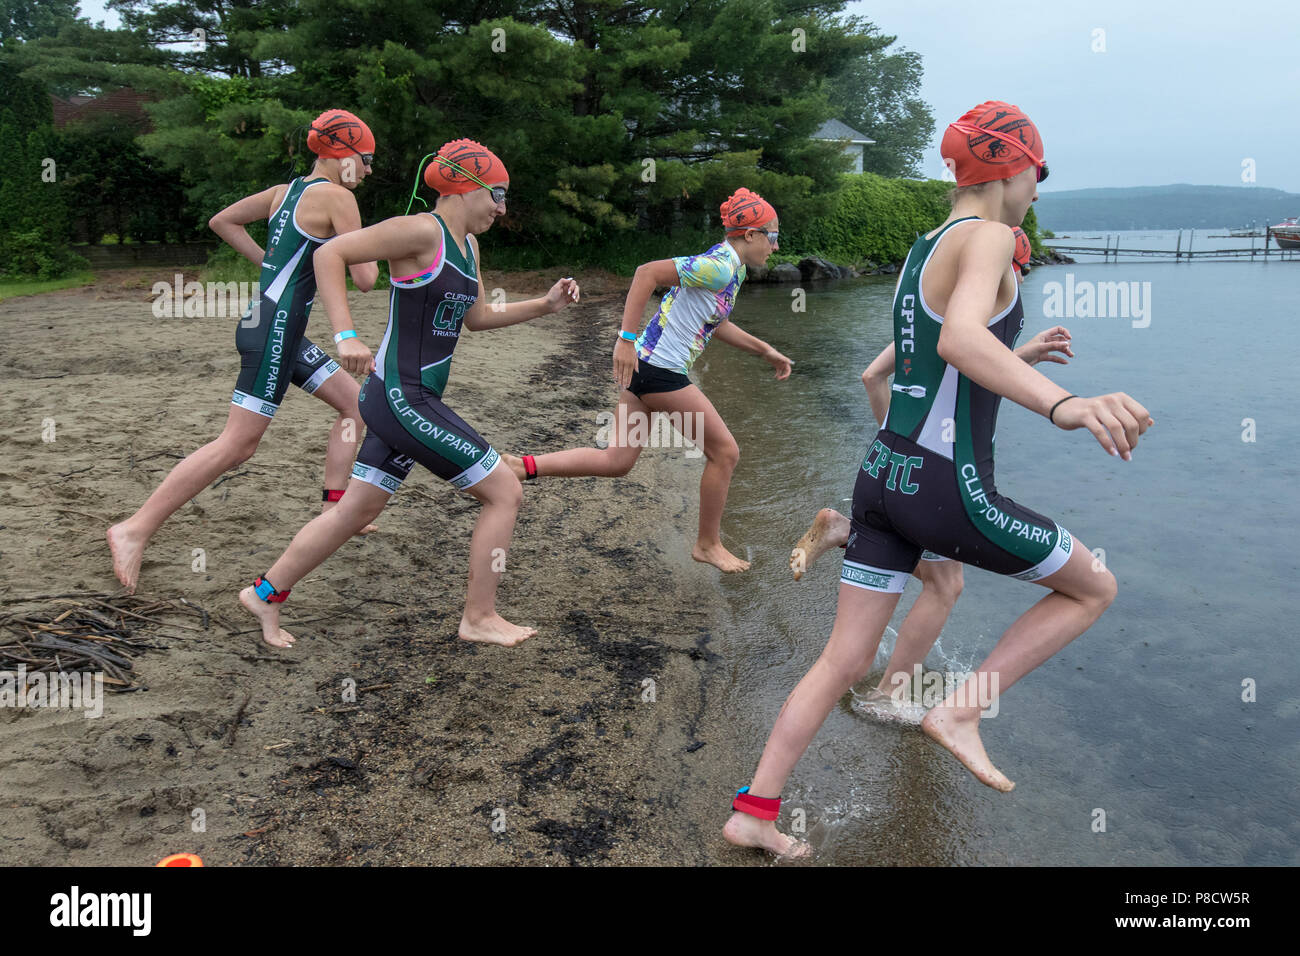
(1142,718)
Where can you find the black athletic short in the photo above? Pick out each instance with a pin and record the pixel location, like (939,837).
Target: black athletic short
(651,378)
(403,428)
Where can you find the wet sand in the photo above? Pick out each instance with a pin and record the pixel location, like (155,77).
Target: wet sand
(452,753)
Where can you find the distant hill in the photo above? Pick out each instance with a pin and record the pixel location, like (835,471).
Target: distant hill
(1163,207)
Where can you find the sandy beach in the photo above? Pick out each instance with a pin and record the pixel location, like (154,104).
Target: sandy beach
(548,754)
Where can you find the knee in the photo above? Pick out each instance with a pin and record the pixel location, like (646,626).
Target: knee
(728,456)
(619,465)
(508,493)
(238,451)
(948,587)
(1105,589)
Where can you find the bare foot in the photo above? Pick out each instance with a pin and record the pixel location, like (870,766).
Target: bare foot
(830,529)
(269,617)
(719,557)
(516,465)
(888,709)
(494,630)
(745,830)
(329,506)
(957,729)
(128,550)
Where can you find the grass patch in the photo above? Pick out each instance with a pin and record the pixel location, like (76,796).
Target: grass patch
(13,288)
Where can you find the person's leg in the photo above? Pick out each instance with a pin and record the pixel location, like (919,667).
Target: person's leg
(829,529)
(234,446)
(340,391)
(941,585)
(1080,593)
(316,541)
(501,495)
(690,406)
(860,619)
(629,435)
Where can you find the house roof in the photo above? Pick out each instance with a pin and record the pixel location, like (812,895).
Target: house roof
(124,104)
(834,129)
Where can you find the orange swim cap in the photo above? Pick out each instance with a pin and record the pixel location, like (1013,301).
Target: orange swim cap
(745,210)
(995,140)
(337,133)
(1020,258)
(463,166)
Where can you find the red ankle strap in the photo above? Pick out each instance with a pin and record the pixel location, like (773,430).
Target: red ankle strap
(765,808)
(530,467)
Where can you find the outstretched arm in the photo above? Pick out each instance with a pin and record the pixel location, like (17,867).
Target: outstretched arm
(482,316)
(230,222)
(966,343)
(733,334)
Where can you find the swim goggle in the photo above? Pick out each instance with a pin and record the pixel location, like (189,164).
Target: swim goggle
(973,130)
(367,159)
(498,192)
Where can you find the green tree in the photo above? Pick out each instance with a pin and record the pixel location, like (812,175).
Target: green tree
(879,94)
(33,213)
(26,20)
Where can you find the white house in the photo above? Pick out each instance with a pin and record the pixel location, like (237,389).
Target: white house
(835,131)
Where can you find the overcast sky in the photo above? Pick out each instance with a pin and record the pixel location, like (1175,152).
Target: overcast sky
(1184,92)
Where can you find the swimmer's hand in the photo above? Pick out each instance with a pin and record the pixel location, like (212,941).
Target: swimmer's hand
(562,293)
(1041,346)
(625,362)
(1115,420)
(779,362)
(355,357)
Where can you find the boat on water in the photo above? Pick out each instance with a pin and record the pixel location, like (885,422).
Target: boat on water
(1287,233)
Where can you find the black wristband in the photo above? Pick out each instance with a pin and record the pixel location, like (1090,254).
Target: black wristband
(1056,406)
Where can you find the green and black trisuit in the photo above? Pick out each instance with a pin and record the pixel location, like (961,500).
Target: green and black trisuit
(401,401)
(927,480)
(273,349)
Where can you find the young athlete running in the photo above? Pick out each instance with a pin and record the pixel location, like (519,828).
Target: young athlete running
(270,337)
(927,480)
(941,578)
(437,290)
(652,374)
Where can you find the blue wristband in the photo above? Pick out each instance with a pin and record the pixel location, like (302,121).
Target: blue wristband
(340,336)
(627,336)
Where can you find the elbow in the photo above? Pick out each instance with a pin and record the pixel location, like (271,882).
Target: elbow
(215,223)
(945,346)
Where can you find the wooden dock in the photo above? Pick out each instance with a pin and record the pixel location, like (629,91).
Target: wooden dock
(1109,252)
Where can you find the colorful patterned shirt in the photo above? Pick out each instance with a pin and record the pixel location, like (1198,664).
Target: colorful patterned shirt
(692,310)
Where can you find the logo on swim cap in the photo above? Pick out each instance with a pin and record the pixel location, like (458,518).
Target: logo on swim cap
(477,161)
(338,133)
(1009,122)
(745,209)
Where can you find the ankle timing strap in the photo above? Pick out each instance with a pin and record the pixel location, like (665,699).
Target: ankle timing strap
(267,592)
(331,494)
(765,808)
(530,467)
